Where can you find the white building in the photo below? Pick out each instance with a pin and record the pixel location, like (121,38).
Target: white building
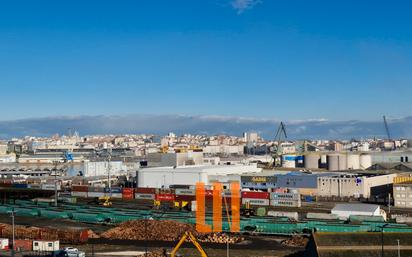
(189,175)
(101,168)
(349,185)
(344,210)
(175,159)
(45,246)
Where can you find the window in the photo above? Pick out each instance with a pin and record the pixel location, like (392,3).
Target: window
(36,243)
(50,244)
(397,195)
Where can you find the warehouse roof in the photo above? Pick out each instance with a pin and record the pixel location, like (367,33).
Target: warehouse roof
(359,207)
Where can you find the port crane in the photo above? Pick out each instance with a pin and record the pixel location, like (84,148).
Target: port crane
(280,133)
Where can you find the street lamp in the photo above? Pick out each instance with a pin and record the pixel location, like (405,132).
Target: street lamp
(382,228)
(399,248)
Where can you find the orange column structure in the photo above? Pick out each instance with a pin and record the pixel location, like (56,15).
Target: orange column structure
(217,207)
(235,204)
(201,209)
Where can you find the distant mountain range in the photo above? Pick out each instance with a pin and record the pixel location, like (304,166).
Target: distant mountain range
(210,125)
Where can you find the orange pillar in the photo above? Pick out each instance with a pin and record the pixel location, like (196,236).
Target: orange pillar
(217,207)
(201,209)
(235,204)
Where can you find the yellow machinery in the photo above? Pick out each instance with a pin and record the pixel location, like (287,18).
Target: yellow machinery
(194,242)
(105,201)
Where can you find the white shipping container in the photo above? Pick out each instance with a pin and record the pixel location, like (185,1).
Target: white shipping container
(79,194)
(185,192)
(115,195)
(144,196)
(290,215)
(285,203)
(46,246)
(284,196)
(321,216)
(254,201)
(95,194)
(50,187)
(4,243)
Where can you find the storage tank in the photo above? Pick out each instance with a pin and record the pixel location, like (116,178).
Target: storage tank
(343,162)
(353,161)
(365,161)
(289,161)
(333,161)
(311,161)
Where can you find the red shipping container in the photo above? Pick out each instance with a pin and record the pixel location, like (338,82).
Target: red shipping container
(256,195)
(165,197)
(145,190)
(23,245)
(128,193)
(80,188)
(187,198)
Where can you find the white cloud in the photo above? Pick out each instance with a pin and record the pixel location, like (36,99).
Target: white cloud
(241,5)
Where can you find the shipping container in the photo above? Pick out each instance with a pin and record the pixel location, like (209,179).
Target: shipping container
(95,194)
(255,195)
(141,196)
(115,190)
(79,194)
(284,196)
(286,203)
(45,246)
(79,188)
(128,193)
(165,197)
(186,198)
(19,185)
(290,215)
(115,195)
(35,186)
(145,190)
(95,189)
(321,216)
(254,201)
(185,192)
(50,187)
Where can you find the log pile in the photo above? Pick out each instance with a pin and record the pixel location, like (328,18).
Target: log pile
(149,230)
(219,238)
(35,233)
(296,241)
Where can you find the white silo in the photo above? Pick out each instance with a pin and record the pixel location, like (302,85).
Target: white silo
(365,161)
(289,161)
(333,161)
(343,162)
(311,161)
(353,161)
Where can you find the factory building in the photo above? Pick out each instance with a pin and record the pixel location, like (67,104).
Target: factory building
(352,185)
(101,168)
(402,195)
(159,177)
(175,159)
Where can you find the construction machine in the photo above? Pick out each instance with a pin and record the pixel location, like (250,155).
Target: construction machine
(104,201)
(192,238)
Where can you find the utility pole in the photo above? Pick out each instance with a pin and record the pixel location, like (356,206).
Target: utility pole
(13,233)
(399,248)
(109,184)
(55,183)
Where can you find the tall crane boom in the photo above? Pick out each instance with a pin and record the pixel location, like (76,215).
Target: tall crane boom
(386,128)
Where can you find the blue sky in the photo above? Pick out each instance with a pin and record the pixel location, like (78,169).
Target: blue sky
(289,60)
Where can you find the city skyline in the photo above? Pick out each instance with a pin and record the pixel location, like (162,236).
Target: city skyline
(338,61)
